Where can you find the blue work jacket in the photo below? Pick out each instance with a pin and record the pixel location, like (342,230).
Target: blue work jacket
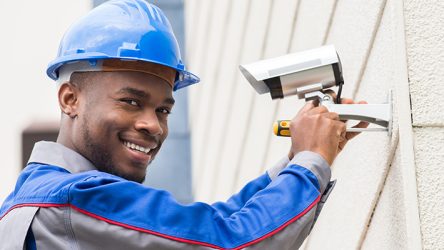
(62,202)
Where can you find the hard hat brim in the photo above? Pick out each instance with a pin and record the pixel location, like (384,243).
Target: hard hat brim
(183,79)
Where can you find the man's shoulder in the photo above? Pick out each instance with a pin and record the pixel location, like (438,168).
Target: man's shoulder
(42,184)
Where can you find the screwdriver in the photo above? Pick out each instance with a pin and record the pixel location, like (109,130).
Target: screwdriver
(282,128)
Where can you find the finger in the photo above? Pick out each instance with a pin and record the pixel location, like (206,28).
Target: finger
(345,137)
(316,102)
(342,136)
(350,135)
(340,132)
(331,115)
(339,127)
(350,101)
(318,110)
(347,101)
(342,140)
(308,106)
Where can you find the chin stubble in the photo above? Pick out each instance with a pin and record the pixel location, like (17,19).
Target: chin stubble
(101,158)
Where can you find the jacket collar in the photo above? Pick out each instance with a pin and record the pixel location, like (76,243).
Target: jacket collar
(56,154)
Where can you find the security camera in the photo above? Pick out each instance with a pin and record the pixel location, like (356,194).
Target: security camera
(296,74)
(308,74)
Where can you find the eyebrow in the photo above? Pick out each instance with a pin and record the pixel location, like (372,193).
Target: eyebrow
(169,100)
(143,94)
(133,91)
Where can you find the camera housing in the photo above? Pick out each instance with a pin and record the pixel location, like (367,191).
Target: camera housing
(295,74)
(307,74)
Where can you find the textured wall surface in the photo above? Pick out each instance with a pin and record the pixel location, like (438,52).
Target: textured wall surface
(232,125)
(429,154)
(425,50)
(362,167)
(387,229)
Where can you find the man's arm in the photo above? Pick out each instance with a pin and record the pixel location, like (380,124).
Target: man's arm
(286,206)
(237,201)
(277,216)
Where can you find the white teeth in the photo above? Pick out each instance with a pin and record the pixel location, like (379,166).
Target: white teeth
(136,147)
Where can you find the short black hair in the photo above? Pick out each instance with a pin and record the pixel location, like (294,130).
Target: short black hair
(81,79)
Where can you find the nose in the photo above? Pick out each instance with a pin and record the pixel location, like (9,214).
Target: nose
(149,123)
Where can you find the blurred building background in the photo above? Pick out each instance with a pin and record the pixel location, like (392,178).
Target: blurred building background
(31,31)
(390,190)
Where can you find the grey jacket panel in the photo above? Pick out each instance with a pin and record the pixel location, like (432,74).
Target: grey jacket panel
(56,154)
(14,227)
(323,200)
(66,228)
(290,237)
(316,164)
(93,234)
(274,171)
(320,168)
(51,229)
(310,160)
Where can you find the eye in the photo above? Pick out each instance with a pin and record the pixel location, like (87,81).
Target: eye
(131,102)
(164,111)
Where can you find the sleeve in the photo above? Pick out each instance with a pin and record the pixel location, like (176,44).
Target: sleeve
(237,201)
(272,215)
(295,233)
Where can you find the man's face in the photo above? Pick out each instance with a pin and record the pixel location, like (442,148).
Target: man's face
(122,121)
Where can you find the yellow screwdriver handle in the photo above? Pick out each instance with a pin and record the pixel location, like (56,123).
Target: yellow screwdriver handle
(282,128)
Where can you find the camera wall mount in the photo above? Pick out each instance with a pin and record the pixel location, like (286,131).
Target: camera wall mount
(379,114)
(308,74)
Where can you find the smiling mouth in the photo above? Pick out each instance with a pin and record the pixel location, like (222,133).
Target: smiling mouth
(136,147)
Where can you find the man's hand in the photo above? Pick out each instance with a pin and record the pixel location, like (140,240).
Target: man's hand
(349,135)
(318,130)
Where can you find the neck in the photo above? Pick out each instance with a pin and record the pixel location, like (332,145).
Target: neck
(64,136)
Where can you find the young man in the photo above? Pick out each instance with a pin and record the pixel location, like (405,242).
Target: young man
(116,70)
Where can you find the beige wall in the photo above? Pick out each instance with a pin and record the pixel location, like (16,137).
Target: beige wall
(390,189)
(425,50)
(31,31)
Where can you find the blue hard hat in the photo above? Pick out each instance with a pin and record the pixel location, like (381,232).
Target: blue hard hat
(126,30)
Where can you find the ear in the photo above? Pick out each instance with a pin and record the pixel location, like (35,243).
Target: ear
(69,99)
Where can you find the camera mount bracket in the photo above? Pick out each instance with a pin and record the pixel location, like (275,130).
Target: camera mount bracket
(380,114)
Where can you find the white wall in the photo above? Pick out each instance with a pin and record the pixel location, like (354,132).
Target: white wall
(390,189)
(31,31)
(425,50)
